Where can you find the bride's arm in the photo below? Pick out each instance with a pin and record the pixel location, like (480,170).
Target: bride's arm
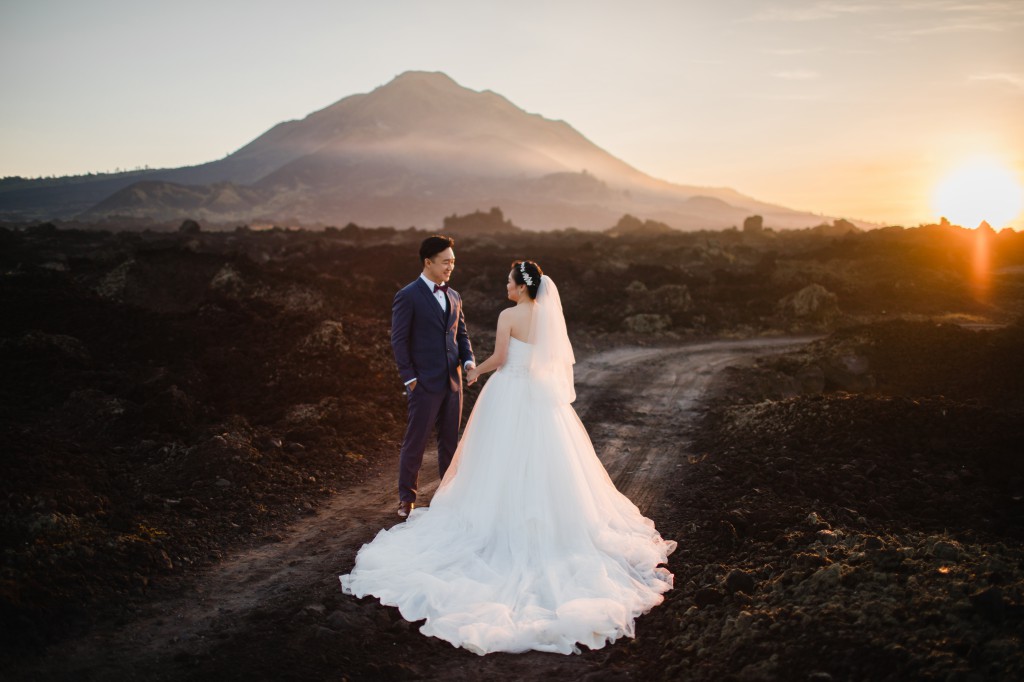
(501,341)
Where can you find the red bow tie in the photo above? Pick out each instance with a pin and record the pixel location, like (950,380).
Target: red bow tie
(440,287)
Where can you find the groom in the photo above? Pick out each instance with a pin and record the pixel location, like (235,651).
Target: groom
(428,337)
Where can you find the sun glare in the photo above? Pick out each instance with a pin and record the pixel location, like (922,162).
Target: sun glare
(982,189)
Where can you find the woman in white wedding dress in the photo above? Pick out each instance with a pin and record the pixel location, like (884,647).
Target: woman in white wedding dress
(527,544)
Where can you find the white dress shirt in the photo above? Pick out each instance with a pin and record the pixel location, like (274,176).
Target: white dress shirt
(439,295)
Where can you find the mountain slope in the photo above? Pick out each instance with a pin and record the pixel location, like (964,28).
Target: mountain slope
(417,149)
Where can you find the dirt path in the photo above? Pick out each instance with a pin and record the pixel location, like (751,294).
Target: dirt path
(276,612)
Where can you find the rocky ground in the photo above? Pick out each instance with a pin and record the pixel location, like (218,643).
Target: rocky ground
(852,509)
(870,531)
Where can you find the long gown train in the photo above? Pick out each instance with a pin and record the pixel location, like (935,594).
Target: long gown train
(527,543)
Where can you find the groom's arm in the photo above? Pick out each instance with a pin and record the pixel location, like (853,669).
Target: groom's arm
(462,338)
(401,328)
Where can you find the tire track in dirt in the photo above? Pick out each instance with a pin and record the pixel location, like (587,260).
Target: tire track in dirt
(641,401)
(636,404)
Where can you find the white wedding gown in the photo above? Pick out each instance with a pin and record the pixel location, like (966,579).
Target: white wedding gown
(527,544)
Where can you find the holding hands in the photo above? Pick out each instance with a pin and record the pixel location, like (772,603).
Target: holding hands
(472,374)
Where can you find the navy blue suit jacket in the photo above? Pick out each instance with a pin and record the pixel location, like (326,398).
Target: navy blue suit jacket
(430,344)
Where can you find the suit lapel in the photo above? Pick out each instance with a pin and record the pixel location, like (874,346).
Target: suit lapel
(430,298)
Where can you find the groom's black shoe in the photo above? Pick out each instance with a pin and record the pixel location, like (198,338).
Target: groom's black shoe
(405,508)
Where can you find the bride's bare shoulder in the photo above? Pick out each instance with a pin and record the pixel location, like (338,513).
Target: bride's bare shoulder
(507,316)
(513,312)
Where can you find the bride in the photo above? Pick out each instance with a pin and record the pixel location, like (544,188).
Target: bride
(527,544)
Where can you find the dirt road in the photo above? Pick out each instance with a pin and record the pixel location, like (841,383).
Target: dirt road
(276,611)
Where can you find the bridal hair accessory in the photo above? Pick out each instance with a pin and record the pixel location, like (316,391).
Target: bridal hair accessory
(526,277)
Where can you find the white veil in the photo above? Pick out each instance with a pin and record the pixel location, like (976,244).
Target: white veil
(552,360)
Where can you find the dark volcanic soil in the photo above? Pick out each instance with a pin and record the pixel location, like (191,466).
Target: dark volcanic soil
(276,611)
(870,535)
(201,431)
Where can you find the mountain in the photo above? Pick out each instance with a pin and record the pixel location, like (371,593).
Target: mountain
(408,153)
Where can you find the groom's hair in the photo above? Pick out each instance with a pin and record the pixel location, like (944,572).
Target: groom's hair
(434,245)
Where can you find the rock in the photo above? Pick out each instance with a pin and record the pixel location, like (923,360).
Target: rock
(826,537)
(608,676)
(671,298)
(739,521)
(814,519)
(706,596)
(765,669)
(872,542)
(740,581)
(828,577)
(163,559)
(320,632)
(647,323)
(295,299)
(228,281)
(223,483)
(636,288)
(888,560)
(341,621)
(809,559)
(812,303)
(848,372)
(811,379)
(633,226)
(172,407)
(990,602)
(302,413)
(112,285)
(753,224)
(93,405)
(327,339)
(946,550)
(58,346)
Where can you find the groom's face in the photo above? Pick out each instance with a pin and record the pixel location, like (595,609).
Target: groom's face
(438,267)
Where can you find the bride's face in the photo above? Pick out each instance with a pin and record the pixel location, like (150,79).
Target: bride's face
(514,290)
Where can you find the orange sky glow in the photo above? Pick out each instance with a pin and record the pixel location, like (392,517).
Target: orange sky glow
(846,108)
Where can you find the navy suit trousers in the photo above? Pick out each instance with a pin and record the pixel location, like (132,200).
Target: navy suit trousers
(441,411)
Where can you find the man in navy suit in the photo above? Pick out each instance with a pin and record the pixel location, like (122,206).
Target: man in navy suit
(428,337)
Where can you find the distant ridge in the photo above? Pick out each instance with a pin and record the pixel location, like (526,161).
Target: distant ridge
(410,152)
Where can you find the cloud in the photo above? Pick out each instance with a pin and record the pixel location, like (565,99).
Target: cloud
(943,17)
(798,75)
(1014,80)
(779,97)
(815,11)
(1001,8)
(905,20)
(791,51)
(957,27)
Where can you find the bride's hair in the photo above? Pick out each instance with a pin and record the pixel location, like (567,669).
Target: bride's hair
(527,272)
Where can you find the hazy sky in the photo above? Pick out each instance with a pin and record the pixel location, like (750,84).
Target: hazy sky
(847,108)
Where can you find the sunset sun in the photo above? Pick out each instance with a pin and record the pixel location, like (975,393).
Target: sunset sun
(982,189)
